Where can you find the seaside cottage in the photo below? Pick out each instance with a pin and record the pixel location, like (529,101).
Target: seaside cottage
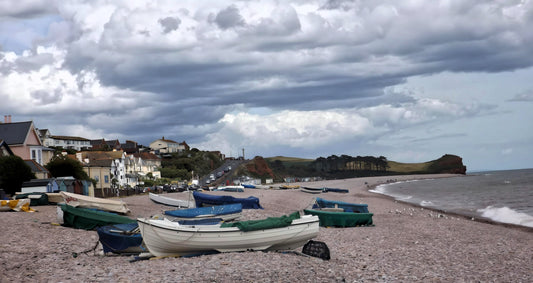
(23,140)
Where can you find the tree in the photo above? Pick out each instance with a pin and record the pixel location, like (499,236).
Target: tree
(62,166)
(13,172)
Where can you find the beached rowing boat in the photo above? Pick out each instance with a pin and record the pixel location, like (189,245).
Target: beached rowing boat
(167,238)
(126,239)
(77,200)
(312,190)
(170,201)
(239,189)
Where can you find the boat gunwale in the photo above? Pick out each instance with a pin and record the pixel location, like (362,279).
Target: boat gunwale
(218,229)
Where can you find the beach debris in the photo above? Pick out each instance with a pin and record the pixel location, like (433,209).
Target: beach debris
(317,249)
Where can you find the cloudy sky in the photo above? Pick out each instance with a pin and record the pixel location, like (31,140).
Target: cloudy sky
(408,80)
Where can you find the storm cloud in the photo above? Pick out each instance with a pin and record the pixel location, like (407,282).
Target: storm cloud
(267,75)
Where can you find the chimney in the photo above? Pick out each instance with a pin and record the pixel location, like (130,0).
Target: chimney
(7,119)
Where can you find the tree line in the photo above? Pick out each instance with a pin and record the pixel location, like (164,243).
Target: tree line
(344,162)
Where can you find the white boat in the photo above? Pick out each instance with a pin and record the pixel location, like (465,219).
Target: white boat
(77,200)
(230,188)
(171,201)
(166,238)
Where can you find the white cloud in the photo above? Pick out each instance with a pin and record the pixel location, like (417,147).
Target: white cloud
(320,73)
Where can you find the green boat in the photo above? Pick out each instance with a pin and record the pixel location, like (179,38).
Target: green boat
(90,219)
(339,218)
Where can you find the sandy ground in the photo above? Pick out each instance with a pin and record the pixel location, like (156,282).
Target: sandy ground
(407,244)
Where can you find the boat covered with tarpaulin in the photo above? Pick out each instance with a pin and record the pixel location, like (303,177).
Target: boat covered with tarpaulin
(225,212)
(88,218)
(348,207)
(36,198)
(202,199)
(337,218)
(166,238)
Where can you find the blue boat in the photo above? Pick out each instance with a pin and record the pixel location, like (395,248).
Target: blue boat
(121,238)
(348,207)
(222,212)
(202,199)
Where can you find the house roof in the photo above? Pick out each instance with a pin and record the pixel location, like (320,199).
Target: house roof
(165,140)
(4,145)
(147,156)
(69,138)
(36,167)
(15,133)
(100,163)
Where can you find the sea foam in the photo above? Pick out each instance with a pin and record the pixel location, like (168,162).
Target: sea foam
(507,215)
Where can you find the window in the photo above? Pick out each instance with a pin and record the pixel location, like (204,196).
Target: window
(106,179)
(36,155)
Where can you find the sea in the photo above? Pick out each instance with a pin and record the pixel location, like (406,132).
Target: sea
(500,196)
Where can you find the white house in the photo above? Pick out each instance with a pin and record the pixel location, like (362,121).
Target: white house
(66,142)
(163,145)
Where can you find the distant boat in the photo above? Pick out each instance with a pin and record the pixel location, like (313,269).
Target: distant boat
(77,200)
(289,187)
(312,190)
(335,190)
(170,201)
(167,238)
(239,189)
(225,212)
(89,219)
(202,199)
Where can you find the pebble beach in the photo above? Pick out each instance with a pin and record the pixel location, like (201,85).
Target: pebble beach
(407,244)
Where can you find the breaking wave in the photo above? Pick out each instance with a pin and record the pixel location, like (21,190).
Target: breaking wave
(506,215)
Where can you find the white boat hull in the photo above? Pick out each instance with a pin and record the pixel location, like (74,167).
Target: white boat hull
(167,238)
(171,201)
(77,200)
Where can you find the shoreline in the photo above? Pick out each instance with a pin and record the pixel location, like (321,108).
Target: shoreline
(471,217)
(407,244)
(456,214)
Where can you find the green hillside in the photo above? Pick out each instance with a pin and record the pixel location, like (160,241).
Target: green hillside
(348,167)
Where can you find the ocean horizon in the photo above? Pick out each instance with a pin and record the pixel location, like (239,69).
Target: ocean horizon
(504,196)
